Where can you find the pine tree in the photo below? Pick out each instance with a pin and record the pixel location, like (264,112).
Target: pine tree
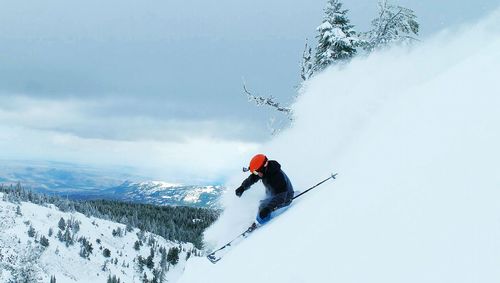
(149,260)
(118,232)
(394,24)
(68,238)
(173,255)
(60,236)
(62,224)
(129,227)
(157,276)
(337,40)
(306,71)
(137,245)
(76,226)
(140,263)
(163,261)
(86,247)
(44,241)
(31,232)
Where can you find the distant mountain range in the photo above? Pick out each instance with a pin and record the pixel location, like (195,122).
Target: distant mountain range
(84,182)
(159,193)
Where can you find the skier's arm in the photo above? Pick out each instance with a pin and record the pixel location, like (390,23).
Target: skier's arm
(247,183)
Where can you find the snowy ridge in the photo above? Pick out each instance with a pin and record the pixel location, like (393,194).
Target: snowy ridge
(162,193)
(25,257)
(154,186)
(414,137)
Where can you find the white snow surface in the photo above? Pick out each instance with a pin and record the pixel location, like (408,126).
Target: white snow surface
(415,138)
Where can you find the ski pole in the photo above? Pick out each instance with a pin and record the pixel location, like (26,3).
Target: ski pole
(331,177)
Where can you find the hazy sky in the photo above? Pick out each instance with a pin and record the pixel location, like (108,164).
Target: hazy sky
(158,84)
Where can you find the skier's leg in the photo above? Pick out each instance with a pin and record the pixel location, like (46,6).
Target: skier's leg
(270,204)
(264,213)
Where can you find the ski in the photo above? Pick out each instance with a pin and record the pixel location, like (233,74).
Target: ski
(216,255)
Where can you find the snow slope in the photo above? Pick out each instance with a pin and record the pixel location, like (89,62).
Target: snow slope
(20,253)
(415,137)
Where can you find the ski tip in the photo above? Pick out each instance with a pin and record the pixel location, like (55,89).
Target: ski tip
(334,175)
(213,259)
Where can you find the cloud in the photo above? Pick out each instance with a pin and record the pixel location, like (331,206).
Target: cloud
(112,118)
(104,133)
(191,161)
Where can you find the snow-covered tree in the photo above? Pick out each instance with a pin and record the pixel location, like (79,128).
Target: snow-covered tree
(394,24)
(106,253)
(62,224)
(26,269)
(337,39)
(118,232)
(85,247)
(137,245)
(60,236)
(31,232)
(113,279)
(68,239)
(173,255)
(140,263)
(129,227)
(306,70)
(44,241)
(150,261)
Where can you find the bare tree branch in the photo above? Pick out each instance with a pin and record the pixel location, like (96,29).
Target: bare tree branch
(269,101)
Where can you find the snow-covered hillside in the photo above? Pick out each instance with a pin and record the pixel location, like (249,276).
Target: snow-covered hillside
(24,257)
(415,139)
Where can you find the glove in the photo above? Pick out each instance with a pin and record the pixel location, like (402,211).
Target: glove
(239,191)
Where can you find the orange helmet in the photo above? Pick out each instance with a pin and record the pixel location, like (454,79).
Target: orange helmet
(257,162)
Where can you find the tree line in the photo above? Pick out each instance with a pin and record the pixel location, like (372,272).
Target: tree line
(174,223)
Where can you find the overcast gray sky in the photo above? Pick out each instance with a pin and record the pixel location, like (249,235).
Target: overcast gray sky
(128,74)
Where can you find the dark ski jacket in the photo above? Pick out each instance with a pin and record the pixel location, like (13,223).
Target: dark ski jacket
(274,179)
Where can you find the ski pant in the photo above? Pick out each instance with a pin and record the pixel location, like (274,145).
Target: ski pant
(272,203)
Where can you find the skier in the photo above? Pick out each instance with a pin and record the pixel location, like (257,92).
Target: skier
(279,195)
(279,190)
